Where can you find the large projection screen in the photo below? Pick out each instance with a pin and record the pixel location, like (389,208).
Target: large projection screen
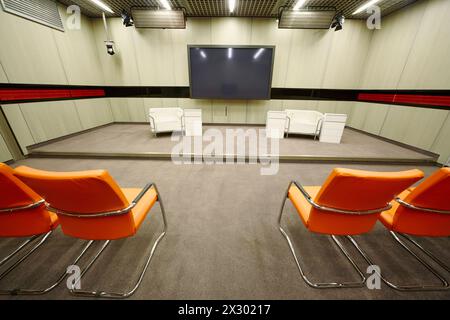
(231,72)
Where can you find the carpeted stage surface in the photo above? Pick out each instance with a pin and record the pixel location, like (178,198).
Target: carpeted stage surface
(223,241)
(137,138)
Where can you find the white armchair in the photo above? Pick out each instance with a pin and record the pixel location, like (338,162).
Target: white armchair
(303,122)
(165,119)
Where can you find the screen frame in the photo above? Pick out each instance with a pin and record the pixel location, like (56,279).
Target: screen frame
(234,47)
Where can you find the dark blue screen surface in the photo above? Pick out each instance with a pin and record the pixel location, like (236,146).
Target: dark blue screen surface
(231,73)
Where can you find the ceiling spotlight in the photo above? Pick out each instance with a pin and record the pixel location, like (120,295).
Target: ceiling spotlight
(165,4)
(338,22)
(127,19)
(103,6)
(231,5)
(299,4)
(366,6)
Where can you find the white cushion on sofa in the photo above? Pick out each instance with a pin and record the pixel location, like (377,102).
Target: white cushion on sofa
(303,121)
(165,119)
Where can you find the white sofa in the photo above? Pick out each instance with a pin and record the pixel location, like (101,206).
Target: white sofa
(303,122)
(165,119)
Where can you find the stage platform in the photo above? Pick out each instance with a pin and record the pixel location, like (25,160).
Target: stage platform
(131,141)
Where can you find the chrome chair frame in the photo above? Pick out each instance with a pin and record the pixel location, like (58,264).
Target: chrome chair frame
(397,236)
(325,285)
(415,287)
(16,251)
(318,128)
(153,129)
(41,239)
(115,295)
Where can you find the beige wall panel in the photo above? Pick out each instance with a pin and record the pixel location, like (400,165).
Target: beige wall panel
(137,110)
(28,52)
(225,111)
(198,31)
(119,108)
(308,58)
(19,126)
(78,52)
(231,31)
(390,48)
(257,110)
(327,106)
(205,105)
(121,68)
(5,155)
(3,77)
(358,115)
(375,117)
(154,57)
(160,103)
(415,126)
(442,143)
(348,53)
(49,120)
(266,32)
(345,107)
(299,104)
(170,102)
(94,112)
(430,53)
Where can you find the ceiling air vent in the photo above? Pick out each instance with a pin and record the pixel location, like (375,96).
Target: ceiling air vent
(306,18)
(41,11)
(158,19)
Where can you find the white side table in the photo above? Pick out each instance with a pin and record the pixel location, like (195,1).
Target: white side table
(192,120)
(333,127)
(276,124)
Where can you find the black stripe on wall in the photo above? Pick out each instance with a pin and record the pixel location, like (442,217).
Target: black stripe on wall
(442,96)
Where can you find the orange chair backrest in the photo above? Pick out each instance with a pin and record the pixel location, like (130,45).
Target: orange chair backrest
(84,192)
(356,190)
(432,193)
(14,193)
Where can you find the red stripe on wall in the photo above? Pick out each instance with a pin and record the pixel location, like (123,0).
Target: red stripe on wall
(45,94)
(406,99)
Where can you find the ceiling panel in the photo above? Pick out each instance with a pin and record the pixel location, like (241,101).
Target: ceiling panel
(244,8)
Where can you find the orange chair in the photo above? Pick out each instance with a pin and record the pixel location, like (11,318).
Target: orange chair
(91,206)
(349,203)
(22,214)
(423,211)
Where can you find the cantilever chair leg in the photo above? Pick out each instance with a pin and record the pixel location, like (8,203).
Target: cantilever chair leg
(417,287)
(322,285)
(19,291)
(25,256)
(426,252)
(19,249)
(116,295)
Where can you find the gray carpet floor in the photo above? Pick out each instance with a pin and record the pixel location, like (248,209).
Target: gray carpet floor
(137,138)
(223,241)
